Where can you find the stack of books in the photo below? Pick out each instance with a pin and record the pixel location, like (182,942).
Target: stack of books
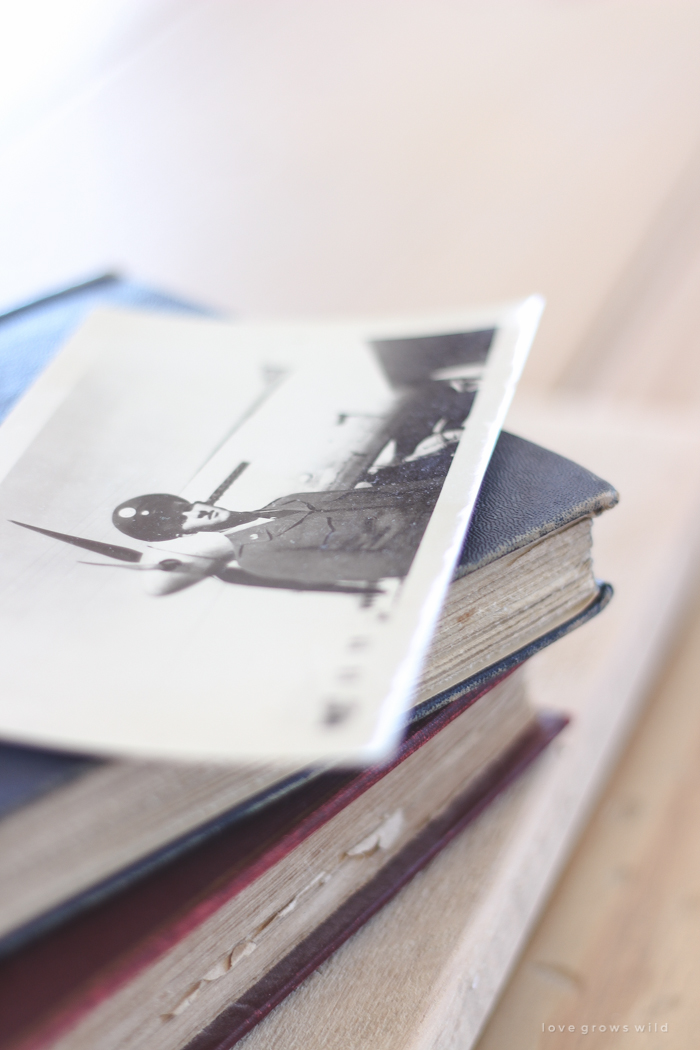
(155,898)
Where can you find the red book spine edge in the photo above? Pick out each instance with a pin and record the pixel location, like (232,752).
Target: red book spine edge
(240,1017)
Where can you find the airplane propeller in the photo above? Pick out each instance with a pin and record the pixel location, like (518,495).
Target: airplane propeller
(110,550)
(166,565)
(109,565)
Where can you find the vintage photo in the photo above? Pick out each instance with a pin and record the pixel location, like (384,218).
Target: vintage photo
(181,513)
(363,527)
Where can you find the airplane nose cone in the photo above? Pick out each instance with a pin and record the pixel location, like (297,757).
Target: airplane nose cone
(168,580)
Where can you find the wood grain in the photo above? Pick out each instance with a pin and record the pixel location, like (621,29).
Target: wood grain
(313,157)
(642,345)
(619,942)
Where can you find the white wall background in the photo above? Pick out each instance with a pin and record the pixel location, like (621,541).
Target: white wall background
(344,156)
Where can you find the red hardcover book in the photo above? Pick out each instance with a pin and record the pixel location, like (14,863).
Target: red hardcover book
(199,951)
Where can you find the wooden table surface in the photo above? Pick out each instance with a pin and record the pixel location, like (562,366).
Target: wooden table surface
(310,157)
(615,958)
(619,942)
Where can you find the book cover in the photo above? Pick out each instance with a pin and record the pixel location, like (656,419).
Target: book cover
(87,960)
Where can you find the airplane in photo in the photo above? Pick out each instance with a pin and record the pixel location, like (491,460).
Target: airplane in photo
(347,538)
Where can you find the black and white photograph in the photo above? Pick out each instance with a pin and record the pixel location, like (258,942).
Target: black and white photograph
(268,498)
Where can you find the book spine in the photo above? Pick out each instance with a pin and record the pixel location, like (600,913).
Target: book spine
(242,1016)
